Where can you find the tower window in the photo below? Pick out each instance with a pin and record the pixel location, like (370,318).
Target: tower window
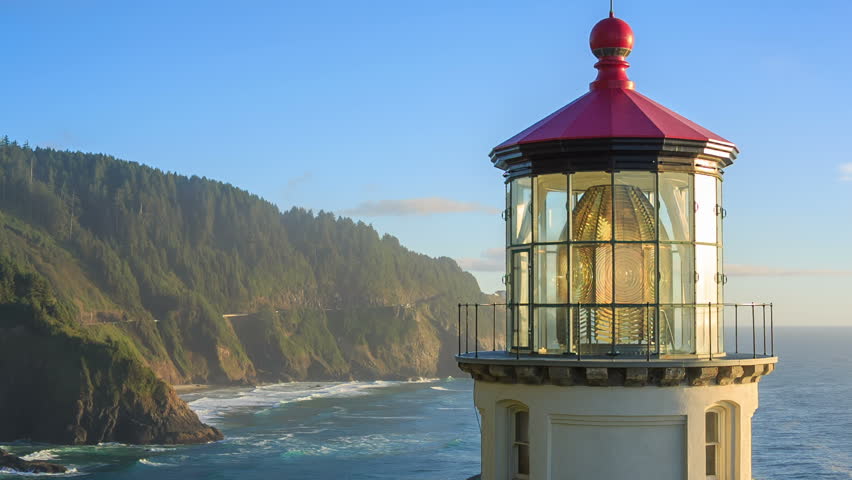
(717,439)
(520,445)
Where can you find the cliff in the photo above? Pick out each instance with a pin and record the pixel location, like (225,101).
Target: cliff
(61,384)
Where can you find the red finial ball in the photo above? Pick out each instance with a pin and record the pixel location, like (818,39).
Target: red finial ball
(611,37)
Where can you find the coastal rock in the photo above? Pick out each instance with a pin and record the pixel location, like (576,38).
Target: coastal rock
(59,383)
(77,392)
(9,461)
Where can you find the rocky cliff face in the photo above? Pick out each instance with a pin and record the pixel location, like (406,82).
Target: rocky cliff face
(61,384)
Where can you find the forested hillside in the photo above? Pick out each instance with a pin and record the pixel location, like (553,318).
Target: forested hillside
(161,257)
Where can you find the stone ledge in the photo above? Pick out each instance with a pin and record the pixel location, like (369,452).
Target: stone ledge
(608,376)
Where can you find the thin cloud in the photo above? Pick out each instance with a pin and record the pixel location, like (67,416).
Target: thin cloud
(491,260)
(846,172)
(761,271)
(417,206)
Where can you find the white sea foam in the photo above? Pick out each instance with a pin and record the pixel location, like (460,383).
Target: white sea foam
(71,472)
(216,403)
(41,455)
(423,380)
(145,461)
(442,389)
(352,446)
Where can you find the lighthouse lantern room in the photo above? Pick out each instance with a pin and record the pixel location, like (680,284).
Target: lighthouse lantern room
(615,362)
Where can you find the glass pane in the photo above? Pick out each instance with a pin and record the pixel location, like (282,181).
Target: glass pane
(707,323)
(523,460)
(719,328)
(635,215)
(520,277)
(521,334)
(521,211)
(720,277)
(711,420)
(705,208)
(677,329)
(711,459)
(511,338)
(551,203)
(551,270)
(591,273)
(522,426)
(720,212)
(507,214)
(635,279)
(676,207)
(706,287)
(591,206)
(635,329)
(677,281)
(594,329)
(551,329)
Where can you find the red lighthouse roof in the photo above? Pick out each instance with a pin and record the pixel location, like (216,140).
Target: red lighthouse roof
(612,108)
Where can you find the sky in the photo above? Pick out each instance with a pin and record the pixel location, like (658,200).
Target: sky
(386,111)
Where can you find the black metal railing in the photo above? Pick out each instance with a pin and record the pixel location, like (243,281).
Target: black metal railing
(470,315)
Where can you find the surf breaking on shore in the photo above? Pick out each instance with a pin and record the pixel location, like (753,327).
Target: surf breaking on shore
(212,405)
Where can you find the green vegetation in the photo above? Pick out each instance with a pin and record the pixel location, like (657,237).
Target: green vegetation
(151,261)
(63,383)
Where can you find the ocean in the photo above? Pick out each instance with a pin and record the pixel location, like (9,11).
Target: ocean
(428,429)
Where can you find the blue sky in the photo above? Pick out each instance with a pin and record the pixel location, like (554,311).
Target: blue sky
(386,111)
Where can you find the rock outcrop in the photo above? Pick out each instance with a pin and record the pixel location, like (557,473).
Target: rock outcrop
(17,464)
(59,383)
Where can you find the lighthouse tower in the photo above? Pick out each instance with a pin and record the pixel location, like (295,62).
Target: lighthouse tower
(615,365)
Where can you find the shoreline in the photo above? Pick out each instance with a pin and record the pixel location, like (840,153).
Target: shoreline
(191,387)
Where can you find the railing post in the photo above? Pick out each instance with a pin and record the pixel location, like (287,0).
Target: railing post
(710,328)
(589,328)
(612,307)
(494,329)
(647,332)
(577,323)
(517,329)
(736,329)
(753,334)
(772,329)
(657,331)
(460,329)
(476,331)
(466,327)
(764,329)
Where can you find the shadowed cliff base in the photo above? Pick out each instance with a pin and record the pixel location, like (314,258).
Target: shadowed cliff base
(61,384)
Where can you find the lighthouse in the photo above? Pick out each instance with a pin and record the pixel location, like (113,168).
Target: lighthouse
(622,359)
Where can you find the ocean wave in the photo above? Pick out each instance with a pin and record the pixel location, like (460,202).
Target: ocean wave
(160,449)
(71,472)
(353,446)
(217,403)
(423,380)
(41,455)
(441,389)
(145,461)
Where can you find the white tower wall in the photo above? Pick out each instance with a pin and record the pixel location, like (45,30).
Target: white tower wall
(586,432)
